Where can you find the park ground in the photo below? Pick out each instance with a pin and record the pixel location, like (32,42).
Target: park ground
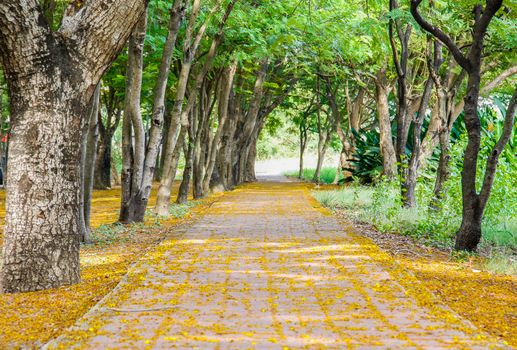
(262,266)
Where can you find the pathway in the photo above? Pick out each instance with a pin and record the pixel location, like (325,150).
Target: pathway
(267,268)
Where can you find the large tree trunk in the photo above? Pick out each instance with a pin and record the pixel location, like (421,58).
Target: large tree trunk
(250,174)
(202,141)
(52,77)
(127,162)
(322,149)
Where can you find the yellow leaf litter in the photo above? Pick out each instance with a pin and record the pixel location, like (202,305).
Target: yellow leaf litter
(30,319)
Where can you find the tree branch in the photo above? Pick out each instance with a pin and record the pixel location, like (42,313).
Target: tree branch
(498,80)
(438,33)
(97,33)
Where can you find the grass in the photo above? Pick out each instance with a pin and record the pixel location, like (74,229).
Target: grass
(327,174)
(381,207)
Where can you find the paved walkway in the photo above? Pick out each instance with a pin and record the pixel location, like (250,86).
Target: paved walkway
(267,268)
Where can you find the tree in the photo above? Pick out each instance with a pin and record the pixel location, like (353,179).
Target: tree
(179,115)
(52,76)
(139,161)
(474,203)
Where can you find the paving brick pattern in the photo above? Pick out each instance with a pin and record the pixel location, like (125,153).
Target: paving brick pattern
(266,268)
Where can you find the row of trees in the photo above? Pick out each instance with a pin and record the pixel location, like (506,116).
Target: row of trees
(414,102)
(197,81)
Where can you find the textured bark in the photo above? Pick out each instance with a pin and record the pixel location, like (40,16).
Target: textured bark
(347,137)
(469,234)
(452,84)
(389,160)
(442,173)
(52,77)
(250,175)
(322,149)
(102,173)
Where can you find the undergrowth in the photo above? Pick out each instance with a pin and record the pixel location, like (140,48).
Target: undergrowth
(380,205)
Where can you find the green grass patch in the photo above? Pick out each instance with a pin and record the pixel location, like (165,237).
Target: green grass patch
(327,174)
(179,211)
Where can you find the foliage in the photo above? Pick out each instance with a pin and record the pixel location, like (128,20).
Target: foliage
(366,164)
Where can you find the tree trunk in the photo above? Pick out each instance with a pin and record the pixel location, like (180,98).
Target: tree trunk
(188,150)
(224,157)
(189,51)
(102,173)
(322,149)
(162,208)
(224,96)
(143,192)
(442,173)
(469,234)
(126,175)
(400,59)
(343,159)
(250,174)
(303,146)
(389,160)
(168,176)
(409,182)
(135,145)
(52,77)
(89,161)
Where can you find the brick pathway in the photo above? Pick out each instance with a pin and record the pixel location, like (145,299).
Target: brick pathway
(267,268)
